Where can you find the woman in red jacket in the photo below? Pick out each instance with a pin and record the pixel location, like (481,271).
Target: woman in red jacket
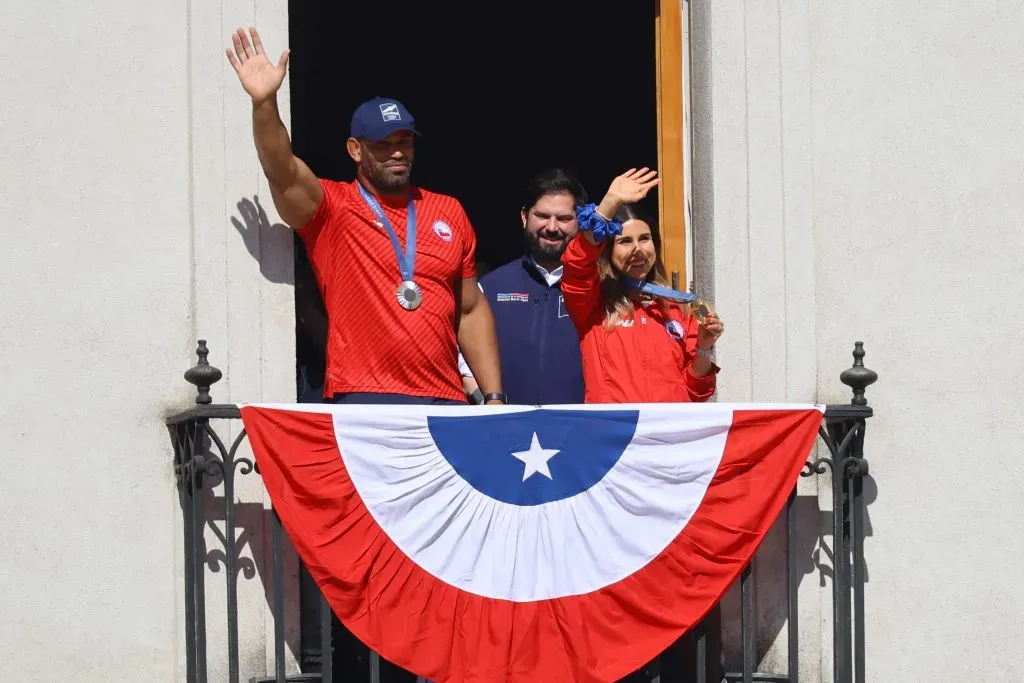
(636,348)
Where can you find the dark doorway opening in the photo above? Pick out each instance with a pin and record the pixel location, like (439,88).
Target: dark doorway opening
(499,92)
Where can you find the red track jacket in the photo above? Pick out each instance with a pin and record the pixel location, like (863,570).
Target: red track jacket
(643,360)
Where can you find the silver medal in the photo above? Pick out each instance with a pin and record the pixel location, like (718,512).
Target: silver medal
(409,295)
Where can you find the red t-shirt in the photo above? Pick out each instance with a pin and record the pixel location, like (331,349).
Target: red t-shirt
(643,359)
(373,344)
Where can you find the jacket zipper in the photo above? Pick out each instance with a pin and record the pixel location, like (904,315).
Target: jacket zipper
(643,338)
(543,312)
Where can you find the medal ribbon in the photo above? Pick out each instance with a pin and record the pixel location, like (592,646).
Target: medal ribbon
(406,261)
(658,290)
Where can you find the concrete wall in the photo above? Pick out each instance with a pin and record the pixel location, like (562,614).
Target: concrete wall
(858,176)
(127,150)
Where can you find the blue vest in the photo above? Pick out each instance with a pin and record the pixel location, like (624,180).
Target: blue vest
(537,342)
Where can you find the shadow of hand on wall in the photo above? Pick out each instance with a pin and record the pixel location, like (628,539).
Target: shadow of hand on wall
(268,243)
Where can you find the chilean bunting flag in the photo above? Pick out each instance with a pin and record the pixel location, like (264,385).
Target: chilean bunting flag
(517,543)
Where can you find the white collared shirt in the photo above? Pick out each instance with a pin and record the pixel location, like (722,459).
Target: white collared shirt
(552,278)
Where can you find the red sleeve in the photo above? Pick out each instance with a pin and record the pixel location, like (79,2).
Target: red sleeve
(334,198)
(465,229)
(581,282)
(699,389)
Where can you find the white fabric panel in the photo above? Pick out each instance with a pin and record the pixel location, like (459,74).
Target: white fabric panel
(522,553)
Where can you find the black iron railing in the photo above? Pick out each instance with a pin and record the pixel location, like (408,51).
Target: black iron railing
(203,461)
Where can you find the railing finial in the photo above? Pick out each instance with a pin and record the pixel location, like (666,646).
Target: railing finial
(203,375)
(858,377)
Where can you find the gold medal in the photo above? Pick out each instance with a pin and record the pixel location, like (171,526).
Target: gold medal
(700,310)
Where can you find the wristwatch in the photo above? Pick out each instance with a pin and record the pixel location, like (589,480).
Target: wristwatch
(496,396)
(707,353)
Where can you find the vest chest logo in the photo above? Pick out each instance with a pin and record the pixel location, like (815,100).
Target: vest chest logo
(562,313)
(521,297)
(624,323)
(675,330)
(443,230)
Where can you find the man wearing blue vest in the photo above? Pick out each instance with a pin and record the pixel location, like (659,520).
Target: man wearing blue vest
(538,346)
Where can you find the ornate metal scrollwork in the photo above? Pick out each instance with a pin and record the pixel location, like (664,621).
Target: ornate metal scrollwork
(856,467)
(199,450)
(228,456)
(816,466)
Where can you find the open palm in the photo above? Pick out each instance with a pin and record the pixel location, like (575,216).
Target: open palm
(633,185)
(260,78)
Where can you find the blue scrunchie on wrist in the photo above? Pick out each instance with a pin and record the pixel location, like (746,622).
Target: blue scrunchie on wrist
(590,221)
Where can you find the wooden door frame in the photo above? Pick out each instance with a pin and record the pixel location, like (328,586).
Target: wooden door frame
(668,41)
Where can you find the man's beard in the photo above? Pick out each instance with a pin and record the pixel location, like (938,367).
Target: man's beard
(542,252)
(383,179)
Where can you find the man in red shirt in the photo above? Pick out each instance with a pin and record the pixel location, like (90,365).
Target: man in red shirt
(394,263)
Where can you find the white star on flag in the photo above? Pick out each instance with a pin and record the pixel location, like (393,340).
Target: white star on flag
(535,459)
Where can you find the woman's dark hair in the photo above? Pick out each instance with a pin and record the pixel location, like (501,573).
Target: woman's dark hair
(553,181)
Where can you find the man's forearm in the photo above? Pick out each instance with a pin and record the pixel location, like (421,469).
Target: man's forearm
(273,144)
(479,345)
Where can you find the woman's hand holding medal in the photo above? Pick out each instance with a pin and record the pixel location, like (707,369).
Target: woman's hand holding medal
(709,331)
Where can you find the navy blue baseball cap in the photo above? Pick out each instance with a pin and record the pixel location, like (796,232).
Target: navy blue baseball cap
(380,117)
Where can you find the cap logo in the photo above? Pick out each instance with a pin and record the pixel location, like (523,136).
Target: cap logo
(389,112)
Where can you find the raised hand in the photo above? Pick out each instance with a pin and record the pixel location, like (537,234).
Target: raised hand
(260,78)
(633,185)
